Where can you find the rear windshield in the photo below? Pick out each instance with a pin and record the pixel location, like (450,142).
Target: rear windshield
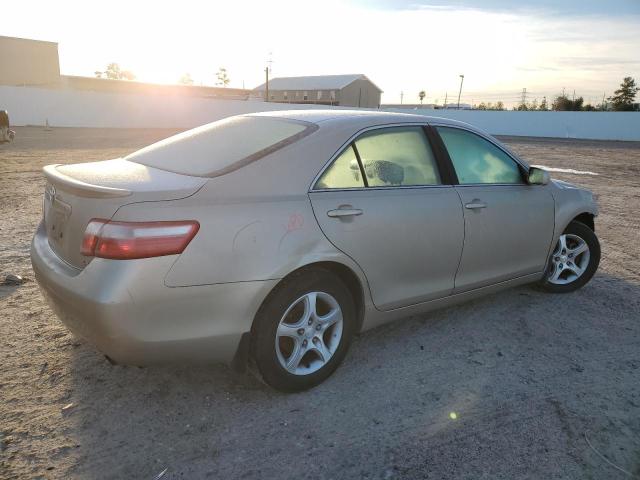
(223,146)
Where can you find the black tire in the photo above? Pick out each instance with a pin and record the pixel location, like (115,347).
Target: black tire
(265,325)
(584,232)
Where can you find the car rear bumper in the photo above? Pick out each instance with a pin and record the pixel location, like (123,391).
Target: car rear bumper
(124,308)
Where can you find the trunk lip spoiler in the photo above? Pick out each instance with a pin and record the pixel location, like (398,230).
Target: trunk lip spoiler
(79,187)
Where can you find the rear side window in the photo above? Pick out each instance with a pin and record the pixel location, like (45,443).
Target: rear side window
(223,146)
(477,160)
(344,172)
(397,156)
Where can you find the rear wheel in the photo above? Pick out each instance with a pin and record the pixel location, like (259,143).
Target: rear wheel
(574,259)
(303,330)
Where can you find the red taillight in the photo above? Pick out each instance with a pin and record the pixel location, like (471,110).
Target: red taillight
(129,240)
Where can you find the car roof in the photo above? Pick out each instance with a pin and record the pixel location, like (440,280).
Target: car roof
(343,118)
(358,118)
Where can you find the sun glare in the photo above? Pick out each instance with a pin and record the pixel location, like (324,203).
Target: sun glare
(402,49)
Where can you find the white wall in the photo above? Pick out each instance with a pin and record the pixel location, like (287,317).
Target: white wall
(69,108)
(588,125)
(72,108)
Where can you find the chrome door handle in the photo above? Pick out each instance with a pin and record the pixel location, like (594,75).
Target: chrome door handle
(475,205)
(344,212)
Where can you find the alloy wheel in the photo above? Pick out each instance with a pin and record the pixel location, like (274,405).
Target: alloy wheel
(569,259)
(309,333)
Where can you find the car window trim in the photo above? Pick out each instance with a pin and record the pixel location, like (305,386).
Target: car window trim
(523,168)
(351,142)
(445,165)
(360,166)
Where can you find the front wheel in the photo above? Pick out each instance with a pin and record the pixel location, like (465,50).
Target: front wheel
(574,259)
(303,330)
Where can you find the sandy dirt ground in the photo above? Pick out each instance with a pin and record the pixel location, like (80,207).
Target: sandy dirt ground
(542,386)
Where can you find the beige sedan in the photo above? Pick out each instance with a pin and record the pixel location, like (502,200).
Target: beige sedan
(280,236)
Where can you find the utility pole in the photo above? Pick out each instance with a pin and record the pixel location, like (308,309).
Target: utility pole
(270,62)
(266,85)
(401,97)
(445,99)
(460,92)
(574,94)
(524,97)
(604,106)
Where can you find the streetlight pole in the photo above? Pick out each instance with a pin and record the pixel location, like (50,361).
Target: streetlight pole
(460,92)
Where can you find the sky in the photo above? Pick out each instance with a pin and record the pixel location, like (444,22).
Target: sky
(403,46)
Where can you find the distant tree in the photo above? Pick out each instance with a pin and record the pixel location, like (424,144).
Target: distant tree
(421,95)
(543,105)
(622,100)
(533,105)
(113,72)
(589,108)
(186,79)
(492,106)
(562,103)
(577,104)
(222,77)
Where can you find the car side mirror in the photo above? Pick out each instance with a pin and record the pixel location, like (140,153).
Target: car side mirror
(538,176)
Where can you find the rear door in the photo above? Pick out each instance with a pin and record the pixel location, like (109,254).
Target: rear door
(508,223)
(384,202)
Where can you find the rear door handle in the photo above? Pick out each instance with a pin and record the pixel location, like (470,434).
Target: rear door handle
(344,212)
(475,205)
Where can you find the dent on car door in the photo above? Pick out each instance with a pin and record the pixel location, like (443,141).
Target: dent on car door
(508,223)
(382,202)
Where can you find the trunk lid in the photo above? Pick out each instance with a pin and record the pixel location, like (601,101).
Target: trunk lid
(74,194)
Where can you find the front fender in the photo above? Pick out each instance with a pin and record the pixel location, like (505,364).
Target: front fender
(570,202)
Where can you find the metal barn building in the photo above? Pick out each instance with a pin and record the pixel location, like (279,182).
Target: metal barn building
(354,90)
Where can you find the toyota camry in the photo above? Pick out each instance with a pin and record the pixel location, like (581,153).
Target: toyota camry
(272,239)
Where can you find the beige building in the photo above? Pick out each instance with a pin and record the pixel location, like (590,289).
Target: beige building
(28,62)
(345,90)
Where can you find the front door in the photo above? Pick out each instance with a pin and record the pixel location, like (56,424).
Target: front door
(383,202)
(508,223)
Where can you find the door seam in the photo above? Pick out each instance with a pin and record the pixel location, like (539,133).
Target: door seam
(464,238)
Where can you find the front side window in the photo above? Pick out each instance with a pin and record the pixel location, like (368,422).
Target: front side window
(344,172)
(477,160)
(397,156)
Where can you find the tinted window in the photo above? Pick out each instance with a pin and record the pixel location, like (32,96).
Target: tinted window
(344,172)
(397,156)
(221,146)
(477,160)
